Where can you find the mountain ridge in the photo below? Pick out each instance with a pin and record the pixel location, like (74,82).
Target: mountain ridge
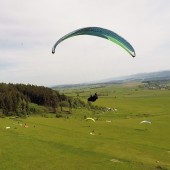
(158,75)
(148,76)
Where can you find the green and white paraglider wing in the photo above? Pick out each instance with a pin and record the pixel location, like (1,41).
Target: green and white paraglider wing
(99,32)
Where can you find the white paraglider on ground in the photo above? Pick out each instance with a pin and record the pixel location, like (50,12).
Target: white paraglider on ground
(145,121)
(89,118)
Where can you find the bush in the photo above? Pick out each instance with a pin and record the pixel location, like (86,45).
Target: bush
(58,115)
(2,115)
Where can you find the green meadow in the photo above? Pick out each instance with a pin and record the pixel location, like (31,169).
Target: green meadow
(115,141)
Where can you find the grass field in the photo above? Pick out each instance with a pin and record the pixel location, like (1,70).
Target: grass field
(119,141)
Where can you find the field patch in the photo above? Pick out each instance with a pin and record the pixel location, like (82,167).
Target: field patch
(115,140)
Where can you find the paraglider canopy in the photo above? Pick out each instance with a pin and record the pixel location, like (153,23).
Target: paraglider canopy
(99,32)
(89,118)
(145,121)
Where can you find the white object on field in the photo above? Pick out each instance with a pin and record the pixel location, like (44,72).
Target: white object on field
(145,121)
(115,160)
(8,127)
(108,121)
(89,118)
(91,133)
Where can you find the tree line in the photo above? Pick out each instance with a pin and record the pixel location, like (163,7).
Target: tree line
(157,84)
(15,99)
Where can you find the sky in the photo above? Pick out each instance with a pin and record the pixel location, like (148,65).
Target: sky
(29,29)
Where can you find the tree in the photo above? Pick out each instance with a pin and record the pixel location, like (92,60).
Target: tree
(63,104)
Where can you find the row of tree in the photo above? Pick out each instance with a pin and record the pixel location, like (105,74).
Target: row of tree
(157,84)
(16,98)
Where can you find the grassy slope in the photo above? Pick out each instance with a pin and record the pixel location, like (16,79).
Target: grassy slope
(50,143)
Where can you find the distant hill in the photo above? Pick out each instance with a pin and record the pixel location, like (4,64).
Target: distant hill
(152,76)
(160,75)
